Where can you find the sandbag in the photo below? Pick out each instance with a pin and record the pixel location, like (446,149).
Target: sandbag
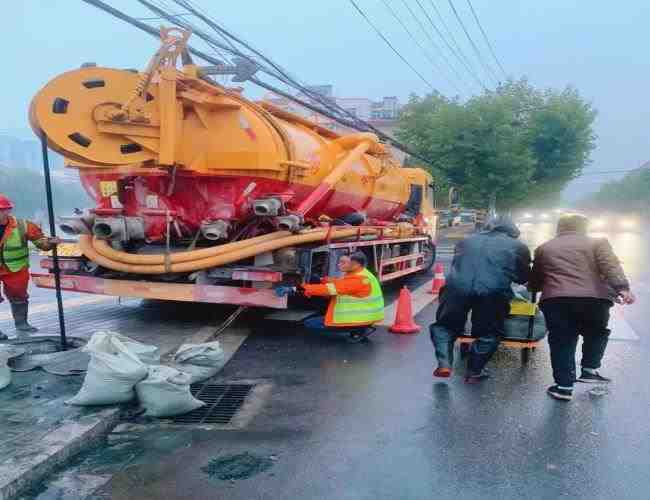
(5,371)
(113,371)
(207,354)
(147,353)
(197,373)
(166,392)
(199,361)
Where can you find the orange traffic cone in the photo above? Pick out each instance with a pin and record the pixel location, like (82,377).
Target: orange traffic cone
(438,279)
(404,315)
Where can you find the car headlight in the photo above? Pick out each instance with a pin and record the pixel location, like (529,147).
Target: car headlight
(598,223)
(628,223)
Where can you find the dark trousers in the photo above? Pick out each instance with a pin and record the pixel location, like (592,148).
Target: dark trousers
(566,318)
(318,323)
(488,317)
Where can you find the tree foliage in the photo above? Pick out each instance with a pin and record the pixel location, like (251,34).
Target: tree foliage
(632,192)
(516,143)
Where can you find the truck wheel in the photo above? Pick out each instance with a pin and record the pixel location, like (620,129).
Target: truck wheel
(429,256)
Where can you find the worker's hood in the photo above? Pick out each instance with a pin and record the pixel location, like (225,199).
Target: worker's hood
(504,224)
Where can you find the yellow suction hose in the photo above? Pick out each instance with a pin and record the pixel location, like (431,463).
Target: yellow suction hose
(104,249)
(236,251)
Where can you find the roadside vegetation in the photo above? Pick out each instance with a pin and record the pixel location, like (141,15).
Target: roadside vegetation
(632,192)
(515,144)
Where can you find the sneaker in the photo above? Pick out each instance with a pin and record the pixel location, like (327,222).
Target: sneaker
(559,393)
(442,372)
(360,335)
(475,378)
(593,378)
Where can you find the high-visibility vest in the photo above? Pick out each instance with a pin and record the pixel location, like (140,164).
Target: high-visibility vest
(349,310)
(15,251)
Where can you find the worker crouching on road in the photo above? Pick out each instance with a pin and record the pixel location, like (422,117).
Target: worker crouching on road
(482,272)
(579,278)
(356,299)
(14,261)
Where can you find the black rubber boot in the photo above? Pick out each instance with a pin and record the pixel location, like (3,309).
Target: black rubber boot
(19,310)
(3,336)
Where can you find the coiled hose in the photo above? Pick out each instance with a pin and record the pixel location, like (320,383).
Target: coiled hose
(101,253)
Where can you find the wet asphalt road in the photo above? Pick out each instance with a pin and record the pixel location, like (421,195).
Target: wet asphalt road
(368,421)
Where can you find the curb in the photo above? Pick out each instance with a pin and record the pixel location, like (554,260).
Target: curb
(39,459)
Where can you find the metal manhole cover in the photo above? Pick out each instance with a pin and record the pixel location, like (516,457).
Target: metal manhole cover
(222,402)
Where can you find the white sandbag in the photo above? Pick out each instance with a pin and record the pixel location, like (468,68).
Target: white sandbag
(199,361)
(207,354)
(112,373)
(5,371)
(147,353)
(197,373)
(166,392)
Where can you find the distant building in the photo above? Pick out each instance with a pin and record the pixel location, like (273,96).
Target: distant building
(383,115)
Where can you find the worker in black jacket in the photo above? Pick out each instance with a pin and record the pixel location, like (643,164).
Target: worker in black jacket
(483,269)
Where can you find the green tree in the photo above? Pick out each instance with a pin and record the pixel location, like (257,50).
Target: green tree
(516,143)
(632,192)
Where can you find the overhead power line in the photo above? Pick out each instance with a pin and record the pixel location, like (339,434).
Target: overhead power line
(451,49)
(285,77)
(381,35)
(432,41)
(275,71)
(160,18)
(479,56)
(451,36)
(426,53)
(487,40)
(358,124)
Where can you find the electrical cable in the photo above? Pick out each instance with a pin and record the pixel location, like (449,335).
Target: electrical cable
(381,35)
(487,40)
(417,42)
(206,57)
(159,18)
(469,69)
(305,90)
(451,36)
(334,108)
(479,56)
(432,41)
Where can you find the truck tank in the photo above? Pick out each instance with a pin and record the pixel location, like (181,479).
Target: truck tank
(170,157)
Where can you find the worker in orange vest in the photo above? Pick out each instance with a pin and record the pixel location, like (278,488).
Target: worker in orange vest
(356,299)
(14,261)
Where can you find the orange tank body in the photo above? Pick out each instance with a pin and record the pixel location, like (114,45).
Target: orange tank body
(167,154)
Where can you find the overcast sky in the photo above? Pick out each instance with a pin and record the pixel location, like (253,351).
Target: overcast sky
(599,47)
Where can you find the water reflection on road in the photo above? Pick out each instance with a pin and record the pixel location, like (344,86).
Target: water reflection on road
(632,247)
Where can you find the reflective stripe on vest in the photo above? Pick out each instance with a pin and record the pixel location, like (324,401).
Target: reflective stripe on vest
(349,310)
(15,252)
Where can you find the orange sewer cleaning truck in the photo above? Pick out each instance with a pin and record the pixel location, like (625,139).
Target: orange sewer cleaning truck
(203,195)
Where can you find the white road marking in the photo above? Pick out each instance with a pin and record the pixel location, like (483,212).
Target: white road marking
(621,329)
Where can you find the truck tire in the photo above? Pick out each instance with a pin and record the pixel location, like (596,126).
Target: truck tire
(429,256)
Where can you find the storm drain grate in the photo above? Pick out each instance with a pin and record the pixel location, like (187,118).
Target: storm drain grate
(222,402)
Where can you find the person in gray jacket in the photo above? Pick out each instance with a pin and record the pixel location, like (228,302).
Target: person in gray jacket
(482,272)
(579,278)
